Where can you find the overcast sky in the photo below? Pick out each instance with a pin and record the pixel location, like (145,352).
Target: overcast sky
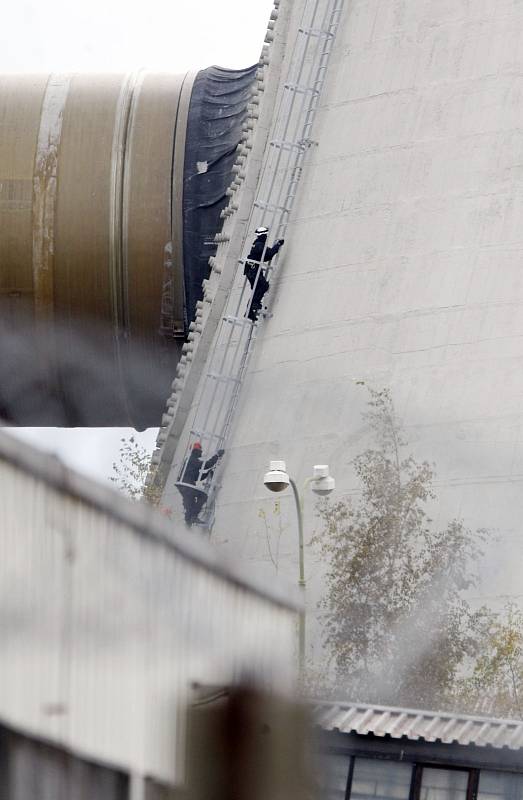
(123,36)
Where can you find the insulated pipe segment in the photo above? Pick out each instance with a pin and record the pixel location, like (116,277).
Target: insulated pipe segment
(111,190)
(86,210)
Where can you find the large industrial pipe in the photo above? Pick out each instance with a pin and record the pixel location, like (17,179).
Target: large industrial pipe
(96,196)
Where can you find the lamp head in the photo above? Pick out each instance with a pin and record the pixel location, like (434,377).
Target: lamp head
(322,483)
(276,479)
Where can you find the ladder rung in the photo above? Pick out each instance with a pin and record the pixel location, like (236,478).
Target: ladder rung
(316,32)
(287,145)
(269,206)
(306,143)
(300,89)
(205,434)
(250,260)
(222,378)
(286,163)
(243,321)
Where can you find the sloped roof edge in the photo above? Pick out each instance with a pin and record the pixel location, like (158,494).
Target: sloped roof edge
(415,724)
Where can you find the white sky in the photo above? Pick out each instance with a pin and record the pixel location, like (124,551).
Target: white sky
(89,450)
(122,36)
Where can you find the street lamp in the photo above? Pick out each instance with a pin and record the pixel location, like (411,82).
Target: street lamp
(322,483)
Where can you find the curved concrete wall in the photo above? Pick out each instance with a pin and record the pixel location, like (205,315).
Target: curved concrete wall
(403,270)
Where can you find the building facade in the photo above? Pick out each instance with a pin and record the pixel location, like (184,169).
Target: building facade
(382,752)
(107,622)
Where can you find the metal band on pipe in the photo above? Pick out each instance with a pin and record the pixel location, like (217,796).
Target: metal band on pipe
(44,193)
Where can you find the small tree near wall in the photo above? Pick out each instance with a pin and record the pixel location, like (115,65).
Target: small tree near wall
(131,470)
(398,626)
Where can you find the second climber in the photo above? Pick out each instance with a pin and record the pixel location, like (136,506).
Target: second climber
(196,470)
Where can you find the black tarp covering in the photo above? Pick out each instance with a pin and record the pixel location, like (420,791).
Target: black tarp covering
(217,109)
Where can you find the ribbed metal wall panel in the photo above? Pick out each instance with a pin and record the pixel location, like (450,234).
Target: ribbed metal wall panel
(106,619)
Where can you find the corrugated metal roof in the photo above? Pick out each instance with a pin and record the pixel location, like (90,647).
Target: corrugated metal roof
(430,726)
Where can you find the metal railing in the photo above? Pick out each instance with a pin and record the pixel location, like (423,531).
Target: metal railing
(274,200)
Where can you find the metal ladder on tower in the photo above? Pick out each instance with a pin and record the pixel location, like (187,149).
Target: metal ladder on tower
(276,192)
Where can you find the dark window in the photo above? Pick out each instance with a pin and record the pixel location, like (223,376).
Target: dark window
(333,777)
(443,784)
(380,780)
(500,786)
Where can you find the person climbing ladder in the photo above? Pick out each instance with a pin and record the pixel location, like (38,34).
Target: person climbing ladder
(253,269)
(196,471)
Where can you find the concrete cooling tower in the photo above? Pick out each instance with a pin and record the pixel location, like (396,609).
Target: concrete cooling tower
(111,189)
(389,139)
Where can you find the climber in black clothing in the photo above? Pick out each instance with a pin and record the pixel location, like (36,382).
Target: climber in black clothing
(252,269)
(196,470)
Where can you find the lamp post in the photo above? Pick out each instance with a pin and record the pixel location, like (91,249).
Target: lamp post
(277,480)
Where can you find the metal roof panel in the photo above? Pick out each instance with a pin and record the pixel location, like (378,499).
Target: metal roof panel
(431,726)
